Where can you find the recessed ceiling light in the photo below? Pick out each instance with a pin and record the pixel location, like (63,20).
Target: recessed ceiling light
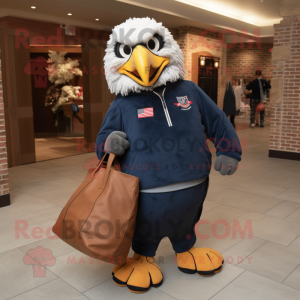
(97,19)
(33,7)
(69,14)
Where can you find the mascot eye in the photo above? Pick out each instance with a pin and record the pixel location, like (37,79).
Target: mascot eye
(122,51)
(155,43)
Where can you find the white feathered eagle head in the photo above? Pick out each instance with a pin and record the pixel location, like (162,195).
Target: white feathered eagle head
(141,54)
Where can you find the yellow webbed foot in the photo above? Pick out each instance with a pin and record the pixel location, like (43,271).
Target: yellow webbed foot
(139,273)
(203,261)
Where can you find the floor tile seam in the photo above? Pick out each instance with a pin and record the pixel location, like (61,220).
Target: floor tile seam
(272,170)
(47,267)
(262,194)
(293,241)
(220,225)
(298,223)
(56,203)
(281,193)
(251,271)
(49,249)
(17,248)
(237,265)
(243,208)
(64,156)
(265,241)
(83,293)
(227,284)
(289,274)
(291,212)
(275,206)
(246,236)
(32,288)
(166,293)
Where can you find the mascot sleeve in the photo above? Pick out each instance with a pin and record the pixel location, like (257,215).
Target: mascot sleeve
(218,128)
(112,122)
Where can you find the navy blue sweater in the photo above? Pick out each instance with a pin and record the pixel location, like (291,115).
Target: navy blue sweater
(169,144)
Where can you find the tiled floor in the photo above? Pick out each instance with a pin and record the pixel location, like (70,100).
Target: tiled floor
(257,229)
(57,147)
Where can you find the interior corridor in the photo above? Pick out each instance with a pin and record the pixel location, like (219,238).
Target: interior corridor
(264,192)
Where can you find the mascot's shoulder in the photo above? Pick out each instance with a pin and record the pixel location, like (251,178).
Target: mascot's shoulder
(187,84)
(120,99)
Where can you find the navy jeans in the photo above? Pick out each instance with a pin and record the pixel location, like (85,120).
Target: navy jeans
(172,215)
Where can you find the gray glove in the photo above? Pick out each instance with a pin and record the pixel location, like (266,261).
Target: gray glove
(116,143)
(226,165)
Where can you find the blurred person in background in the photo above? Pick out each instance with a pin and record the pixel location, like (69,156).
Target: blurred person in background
(238,92)
(229,104)
(258,86)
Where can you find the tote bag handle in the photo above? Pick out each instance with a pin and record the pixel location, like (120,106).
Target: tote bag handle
(112,159)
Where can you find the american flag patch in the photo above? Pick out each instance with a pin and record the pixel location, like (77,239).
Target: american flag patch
(145,112)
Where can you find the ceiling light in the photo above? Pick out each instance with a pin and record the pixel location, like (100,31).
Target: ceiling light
(69,14)
(97,19)
(33,7)
(228,9)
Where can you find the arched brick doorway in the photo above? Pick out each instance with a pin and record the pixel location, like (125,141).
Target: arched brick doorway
(206,77)
(195,57)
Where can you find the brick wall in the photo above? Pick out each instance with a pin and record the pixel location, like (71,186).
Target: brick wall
(285,124)
(241,61)
(244,59)
(4,188)
(191,41)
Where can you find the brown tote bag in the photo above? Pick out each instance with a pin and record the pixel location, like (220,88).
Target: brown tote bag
(99,219)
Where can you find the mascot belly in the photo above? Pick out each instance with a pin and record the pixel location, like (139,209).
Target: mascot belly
(158,126)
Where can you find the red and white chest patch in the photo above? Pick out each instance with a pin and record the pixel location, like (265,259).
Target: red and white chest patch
(183,102)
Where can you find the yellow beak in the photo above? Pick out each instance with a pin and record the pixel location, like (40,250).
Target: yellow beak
(143,66)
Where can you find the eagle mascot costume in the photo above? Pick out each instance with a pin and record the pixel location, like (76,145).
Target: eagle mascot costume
(158,126)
